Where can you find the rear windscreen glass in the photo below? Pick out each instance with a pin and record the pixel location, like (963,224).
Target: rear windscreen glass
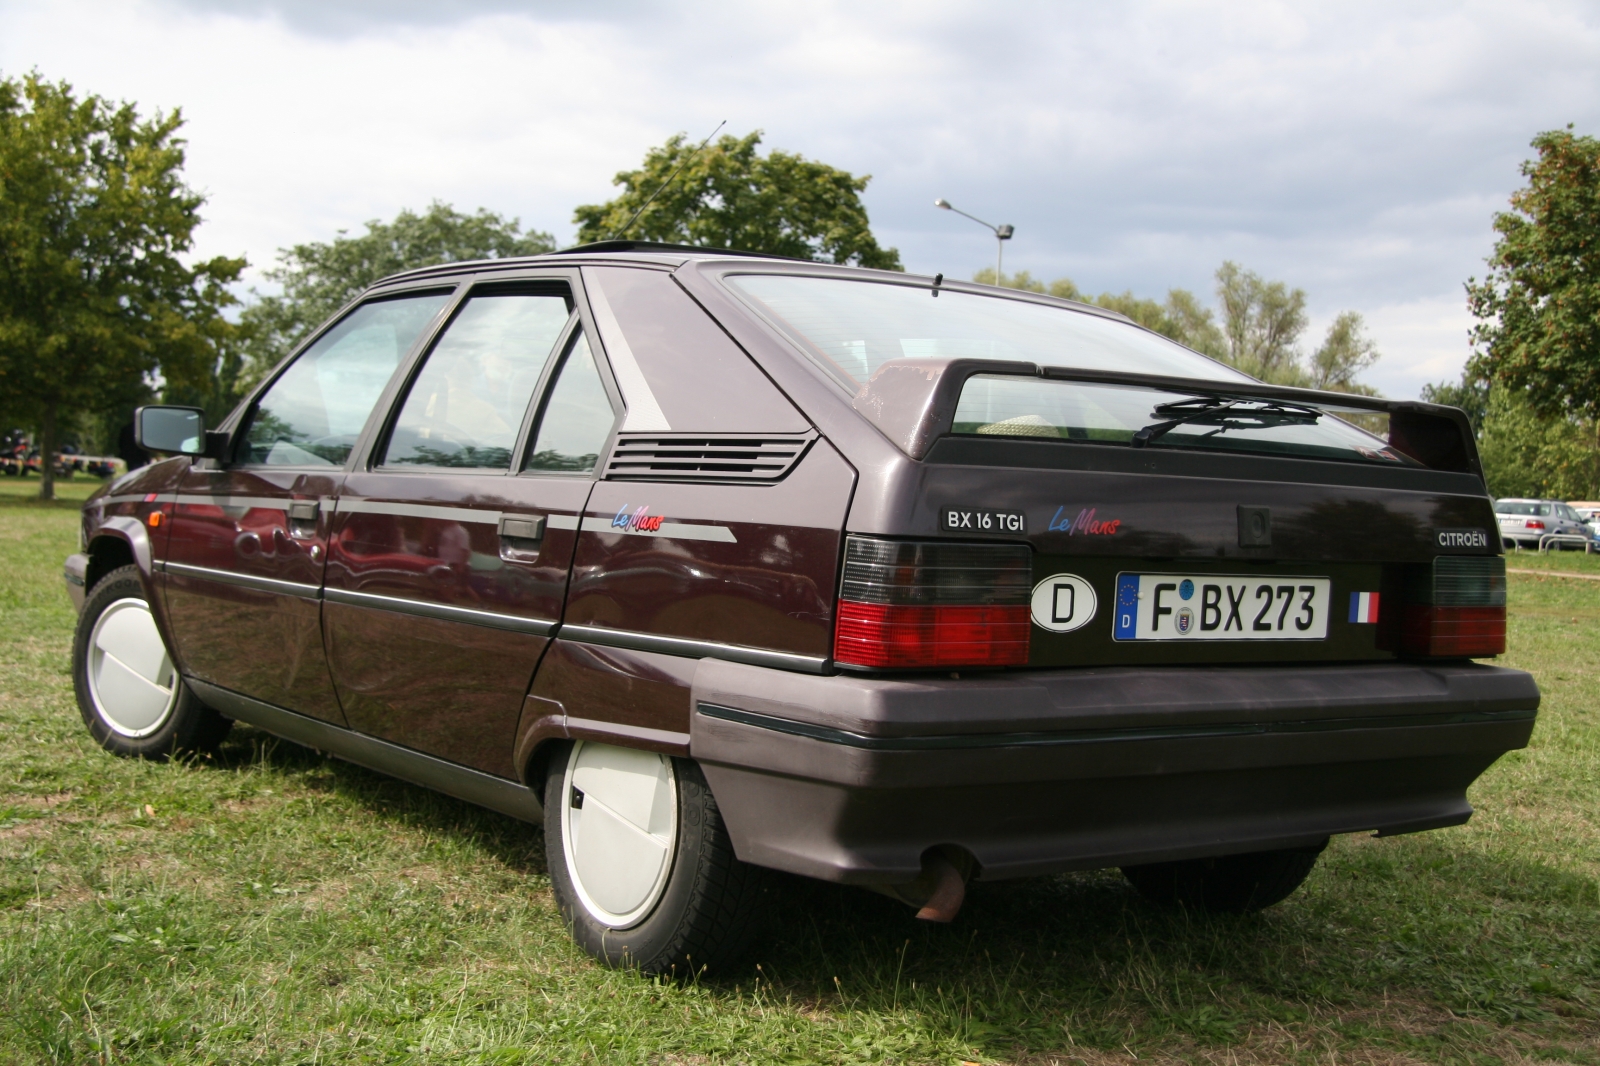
(851,328)
(1517,507)
(993,405)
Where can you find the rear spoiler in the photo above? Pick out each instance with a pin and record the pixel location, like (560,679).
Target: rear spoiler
(913,403)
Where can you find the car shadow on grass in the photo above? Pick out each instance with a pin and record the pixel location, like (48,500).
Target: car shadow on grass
(517,845)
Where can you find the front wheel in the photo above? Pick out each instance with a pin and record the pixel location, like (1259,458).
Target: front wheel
(1227,884)
(129,693)
(641,865)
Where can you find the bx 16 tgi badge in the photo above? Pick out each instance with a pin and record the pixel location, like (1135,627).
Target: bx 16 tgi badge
(984,520)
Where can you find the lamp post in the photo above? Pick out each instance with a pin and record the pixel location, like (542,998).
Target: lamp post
(1001,235)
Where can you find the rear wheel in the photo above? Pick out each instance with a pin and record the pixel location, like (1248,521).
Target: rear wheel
(1227,884)
(641,865)
(129,693)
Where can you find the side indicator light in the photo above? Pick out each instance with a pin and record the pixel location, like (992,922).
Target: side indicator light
(154,520)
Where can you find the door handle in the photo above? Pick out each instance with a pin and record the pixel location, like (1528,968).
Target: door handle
(522,527)
(303,518)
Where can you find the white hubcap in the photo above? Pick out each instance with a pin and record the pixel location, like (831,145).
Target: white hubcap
(131,679)
(619,813)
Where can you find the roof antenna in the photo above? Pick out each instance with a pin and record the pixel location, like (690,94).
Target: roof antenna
(619,234)
(938,279)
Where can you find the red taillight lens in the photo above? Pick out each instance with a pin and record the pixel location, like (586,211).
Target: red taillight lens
(881,634)
(1534,523)
(933,604)
(1453,632)
(1456,609)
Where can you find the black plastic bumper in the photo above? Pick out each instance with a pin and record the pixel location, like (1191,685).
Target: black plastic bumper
(852,779)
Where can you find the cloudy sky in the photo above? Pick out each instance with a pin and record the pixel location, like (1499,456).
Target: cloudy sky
(1356,150)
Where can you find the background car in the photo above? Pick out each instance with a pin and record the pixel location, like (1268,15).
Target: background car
(1525,523)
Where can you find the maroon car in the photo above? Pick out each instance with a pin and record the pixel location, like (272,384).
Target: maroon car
(716,563)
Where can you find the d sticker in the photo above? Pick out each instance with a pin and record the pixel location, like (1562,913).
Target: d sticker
(1063,602)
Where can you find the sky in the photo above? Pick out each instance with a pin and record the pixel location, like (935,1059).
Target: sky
(1356,150)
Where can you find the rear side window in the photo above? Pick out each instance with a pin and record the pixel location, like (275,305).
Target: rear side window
(851,328)
(313,413)
(576,419)
(466,406)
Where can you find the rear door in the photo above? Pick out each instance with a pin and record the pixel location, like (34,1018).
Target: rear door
(450,551)
(249,537)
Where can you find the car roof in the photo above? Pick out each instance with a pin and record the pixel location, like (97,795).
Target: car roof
(654,253)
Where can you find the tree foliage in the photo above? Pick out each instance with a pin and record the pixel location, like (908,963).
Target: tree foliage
(1261,326)
(95,222)
(320,277)
(1539,306)
(730,196)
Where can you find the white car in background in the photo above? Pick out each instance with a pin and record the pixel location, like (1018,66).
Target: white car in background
(1525,523)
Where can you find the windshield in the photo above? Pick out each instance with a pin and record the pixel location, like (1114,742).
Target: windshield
(1522,508)
(993,405)
(852,327)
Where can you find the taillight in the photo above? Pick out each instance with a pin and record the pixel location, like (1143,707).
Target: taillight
(1456,608)
(933,604)
(1534,523)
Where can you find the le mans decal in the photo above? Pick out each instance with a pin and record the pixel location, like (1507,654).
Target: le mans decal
(1085,522)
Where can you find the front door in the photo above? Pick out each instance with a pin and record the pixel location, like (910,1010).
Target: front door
(450,551)
(249,537)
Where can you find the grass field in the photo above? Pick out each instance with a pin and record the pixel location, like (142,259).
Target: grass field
(273,906)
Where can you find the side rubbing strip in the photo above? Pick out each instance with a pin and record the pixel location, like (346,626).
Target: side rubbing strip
(248,581)
(1098,736)
(644,413)
(493,620)
(474,786)
(698,649)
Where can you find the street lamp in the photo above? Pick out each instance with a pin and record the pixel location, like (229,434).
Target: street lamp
(1001,235)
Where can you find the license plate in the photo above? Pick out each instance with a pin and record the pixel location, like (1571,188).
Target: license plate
(1220,607)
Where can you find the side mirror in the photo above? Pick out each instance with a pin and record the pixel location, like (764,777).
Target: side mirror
(174,430)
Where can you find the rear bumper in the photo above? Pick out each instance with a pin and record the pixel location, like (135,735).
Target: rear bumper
(852,779)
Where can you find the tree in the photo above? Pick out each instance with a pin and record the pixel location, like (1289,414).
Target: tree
(1181,318)
(729,196)
(94,223)
(1345,352)
(319,278)
(1261,323)
(1539,306)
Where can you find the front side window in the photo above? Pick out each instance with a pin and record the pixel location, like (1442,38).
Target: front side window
(577,418)
(852,327)
(313,413)
(466,406)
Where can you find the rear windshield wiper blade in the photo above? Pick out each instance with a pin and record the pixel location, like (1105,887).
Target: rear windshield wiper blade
(1225,414)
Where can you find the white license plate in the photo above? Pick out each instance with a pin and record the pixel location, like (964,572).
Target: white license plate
(1220,607)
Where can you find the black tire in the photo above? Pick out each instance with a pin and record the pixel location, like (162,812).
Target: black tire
(184,725)
(1227,884)
(709,910)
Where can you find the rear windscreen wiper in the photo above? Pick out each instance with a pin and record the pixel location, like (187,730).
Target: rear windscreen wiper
(1224,414)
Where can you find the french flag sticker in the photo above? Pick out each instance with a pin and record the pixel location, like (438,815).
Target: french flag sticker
(1364,607)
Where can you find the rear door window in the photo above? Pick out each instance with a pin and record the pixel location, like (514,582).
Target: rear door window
(313,413)
(466,405)
(576,419)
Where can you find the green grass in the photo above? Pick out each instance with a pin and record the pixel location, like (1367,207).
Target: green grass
(270,905)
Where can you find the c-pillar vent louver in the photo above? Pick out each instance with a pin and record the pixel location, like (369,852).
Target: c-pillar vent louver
(704,457)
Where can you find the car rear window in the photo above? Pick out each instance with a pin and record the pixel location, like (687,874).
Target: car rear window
(994,405)
(852,327)
(1522,508)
